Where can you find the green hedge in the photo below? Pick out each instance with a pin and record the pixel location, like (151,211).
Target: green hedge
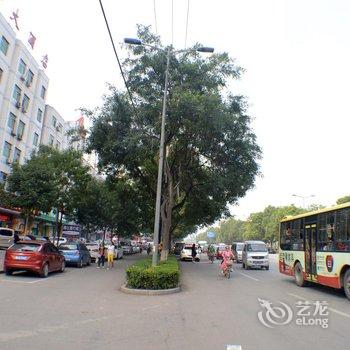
(142,275)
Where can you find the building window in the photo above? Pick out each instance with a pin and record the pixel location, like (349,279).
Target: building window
(30,77)
(4,45)
(17,155)
(1,74)
(22,67)
(43,92)
(17,92)
(25,103)
(11,122)
(39,116)
(53,121)
(6,152)
(51,140)
(20,130)
(35,139)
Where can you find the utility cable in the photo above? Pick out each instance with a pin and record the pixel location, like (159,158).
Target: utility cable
(155,16)
(116,55)
(188,10)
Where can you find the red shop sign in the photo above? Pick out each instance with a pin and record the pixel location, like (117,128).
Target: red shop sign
(4,217)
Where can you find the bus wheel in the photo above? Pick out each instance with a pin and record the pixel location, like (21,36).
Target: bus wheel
(298,275)
(346,284)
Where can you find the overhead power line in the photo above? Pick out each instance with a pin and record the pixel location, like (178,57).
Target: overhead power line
(155,16)
(116,55)
(188,10)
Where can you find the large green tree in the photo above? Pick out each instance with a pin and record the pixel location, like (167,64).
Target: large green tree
(211,151)
(32,186)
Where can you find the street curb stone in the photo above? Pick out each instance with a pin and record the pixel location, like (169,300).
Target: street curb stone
(134,291)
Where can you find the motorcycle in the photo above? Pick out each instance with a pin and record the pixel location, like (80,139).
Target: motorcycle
(211,257)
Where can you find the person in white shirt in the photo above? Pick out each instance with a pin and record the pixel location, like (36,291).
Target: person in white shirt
(110,255)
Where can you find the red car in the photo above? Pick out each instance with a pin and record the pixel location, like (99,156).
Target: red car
(36,256)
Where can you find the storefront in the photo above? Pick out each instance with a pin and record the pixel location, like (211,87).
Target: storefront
(8,217)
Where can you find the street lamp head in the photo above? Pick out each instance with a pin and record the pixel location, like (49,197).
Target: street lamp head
(205,49)
(132,41)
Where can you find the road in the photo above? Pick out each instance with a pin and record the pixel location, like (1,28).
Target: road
(84,309)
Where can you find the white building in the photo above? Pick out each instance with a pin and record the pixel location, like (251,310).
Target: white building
(23,90)
(54,129)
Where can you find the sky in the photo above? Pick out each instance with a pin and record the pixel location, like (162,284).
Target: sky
(296,56)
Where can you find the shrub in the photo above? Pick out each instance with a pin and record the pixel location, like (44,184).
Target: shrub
(142,275)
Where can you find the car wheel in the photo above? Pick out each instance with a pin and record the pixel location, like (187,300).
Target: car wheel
(298,275)
(247,267)
(267,267)
(45,271)
(80,263)
(243,265)
(346,284)
(8,272)
(88,262)
(63,266)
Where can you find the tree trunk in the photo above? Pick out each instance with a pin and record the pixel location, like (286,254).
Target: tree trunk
(166,211)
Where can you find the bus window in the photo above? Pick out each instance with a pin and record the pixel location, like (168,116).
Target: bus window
(297,235)
(286,236)
(342,230)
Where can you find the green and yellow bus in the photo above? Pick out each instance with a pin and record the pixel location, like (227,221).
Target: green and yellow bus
(315,247)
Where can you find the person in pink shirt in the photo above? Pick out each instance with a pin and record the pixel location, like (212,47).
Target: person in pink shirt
(227,258)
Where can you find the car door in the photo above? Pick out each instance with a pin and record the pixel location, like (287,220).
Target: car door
(56,257)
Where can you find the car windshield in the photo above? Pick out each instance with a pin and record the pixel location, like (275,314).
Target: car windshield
(68,247)
(25,247)
(256,247)
(239,246)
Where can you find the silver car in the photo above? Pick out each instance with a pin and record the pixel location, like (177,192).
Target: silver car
(255,254)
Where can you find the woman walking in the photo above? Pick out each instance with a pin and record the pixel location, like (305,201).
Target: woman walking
(193,253)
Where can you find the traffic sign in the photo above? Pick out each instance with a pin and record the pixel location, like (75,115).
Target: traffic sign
(210,234)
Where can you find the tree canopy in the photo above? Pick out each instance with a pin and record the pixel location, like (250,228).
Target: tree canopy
(211,151)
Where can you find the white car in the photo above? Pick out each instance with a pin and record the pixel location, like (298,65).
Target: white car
(186,253)
(255,254)
(93,249)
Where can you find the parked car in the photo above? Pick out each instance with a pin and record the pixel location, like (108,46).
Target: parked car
(61,240)
(126,247)
(118,252)
(6,237)
(35,256)
(186,253)
(93,249)
(255,254)
(178,247)
(75,253)
(237,249)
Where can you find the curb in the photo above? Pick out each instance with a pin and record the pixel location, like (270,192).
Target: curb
(134,291)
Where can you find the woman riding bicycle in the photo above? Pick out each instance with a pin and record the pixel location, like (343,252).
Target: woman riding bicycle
(227,258)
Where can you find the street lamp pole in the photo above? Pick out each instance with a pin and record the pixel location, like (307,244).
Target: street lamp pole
(303,198)
(160,167)
(204,49)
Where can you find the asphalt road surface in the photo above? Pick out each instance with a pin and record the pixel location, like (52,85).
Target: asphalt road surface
(84,309)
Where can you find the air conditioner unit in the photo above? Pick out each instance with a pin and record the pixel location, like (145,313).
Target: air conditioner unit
(18,104)
(24,110)
(28,83)
(58,128)
(23,78)
(19,137)
(13,133)
(8,161)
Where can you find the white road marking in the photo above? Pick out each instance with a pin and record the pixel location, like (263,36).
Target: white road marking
(243,274)
(329,308)
(21,281)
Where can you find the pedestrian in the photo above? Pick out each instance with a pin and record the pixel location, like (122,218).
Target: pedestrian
(101,256)
(110,255)
(193,253)
(149,249)
(16,238)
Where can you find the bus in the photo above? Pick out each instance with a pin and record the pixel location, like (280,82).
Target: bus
(315,247)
